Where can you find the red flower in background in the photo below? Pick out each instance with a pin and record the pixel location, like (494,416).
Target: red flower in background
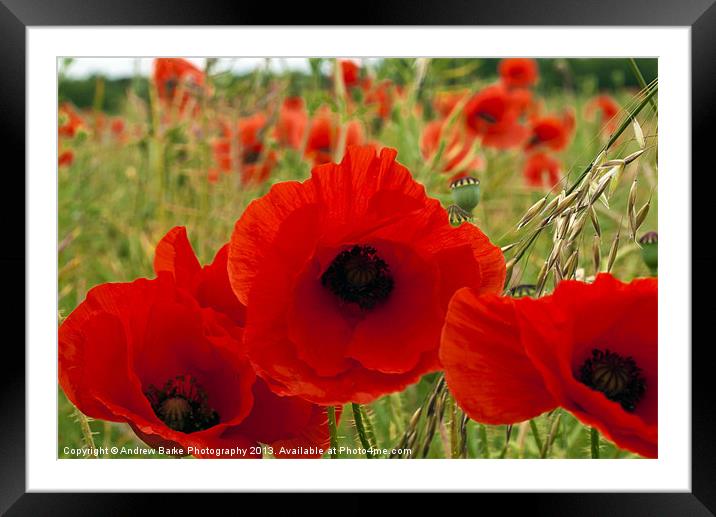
(323,135)
(492,115)
(166,357)
(542,171)
(551,132)
(291,124)
(256,161)
(348,276)
(172,75)
(518,72)
(607,109)
(351,73)
(382,95)
(70,121)
(458,156)
(589,348)
(66,158)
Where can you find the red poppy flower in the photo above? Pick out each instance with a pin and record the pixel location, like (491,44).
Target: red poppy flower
(291,124)
(551,132)
(172,75)
(589,348)
(542,171)
(323,135)
(70,121)
(66,158)
(607,109)
(458,156)
(518,72)
(492,115)
(256,163)
(166,357)
(351,73)
(382,95)
(348,276)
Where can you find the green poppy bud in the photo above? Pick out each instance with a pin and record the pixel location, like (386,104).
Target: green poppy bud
(650,251)
(466,192)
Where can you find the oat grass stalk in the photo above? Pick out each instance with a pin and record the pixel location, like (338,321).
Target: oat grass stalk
(360,429)
(332,431)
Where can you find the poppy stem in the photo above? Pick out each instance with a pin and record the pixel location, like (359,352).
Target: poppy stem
(360,428)
(594,435)
(86,430)
(535,433)
(332,431)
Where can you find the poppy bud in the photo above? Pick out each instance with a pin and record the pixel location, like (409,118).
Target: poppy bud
(650,251)
(466,192)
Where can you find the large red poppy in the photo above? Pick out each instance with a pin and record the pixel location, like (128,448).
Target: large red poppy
(166,357)
(518,72)
(607,108)
(542,171)
(493,115)
(589,348)
(324,133)
(348,276)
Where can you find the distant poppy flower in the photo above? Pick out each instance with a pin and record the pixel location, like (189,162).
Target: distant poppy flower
(458,157)
(117,127)
(348,275)
(350,72)
(550,132)
(323,135)
(606,108)
(166,357)
(70,121)
(381,95)
(291,124)
(66,158)
(542,171)
(256,161)
(518,72)
(172,75)
(589,348)
(493,116)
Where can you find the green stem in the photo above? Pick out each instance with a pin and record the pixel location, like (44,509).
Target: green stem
(332,430)
(640,79)
(86,430)
(484,444)
(360,428)
(594,435)
(535,433)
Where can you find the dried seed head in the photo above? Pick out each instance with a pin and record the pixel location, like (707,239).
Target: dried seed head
(595,221)
(596,252)
(532,212)
(633,156)
(641,215)
(638,134)
(571,265)
(613,253)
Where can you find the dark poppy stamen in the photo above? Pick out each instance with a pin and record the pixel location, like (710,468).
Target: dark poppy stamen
(359,276)
(619,378)
(182,404)
(251,157)
(487,117)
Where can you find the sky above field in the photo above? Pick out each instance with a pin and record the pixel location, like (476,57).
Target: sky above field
(119,67)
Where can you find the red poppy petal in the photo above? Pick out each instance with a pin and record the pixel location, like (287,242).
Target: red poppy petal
(486,368)
(175,255)
(214,289)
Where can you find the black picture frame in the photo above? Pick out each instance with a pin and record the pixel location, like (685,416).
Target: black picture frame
(17,15)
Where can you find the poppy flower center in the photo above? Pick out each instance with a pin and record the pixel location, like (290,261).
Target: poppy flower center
(619,378)
(359,276)
(487,117)
(182,404)
(252,156)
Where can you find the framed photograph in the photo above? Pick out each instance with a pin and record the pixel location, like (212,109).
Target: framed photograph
(421,256)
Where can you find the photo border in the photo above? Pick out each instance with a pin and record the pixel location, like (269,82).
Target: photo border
(17,15)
